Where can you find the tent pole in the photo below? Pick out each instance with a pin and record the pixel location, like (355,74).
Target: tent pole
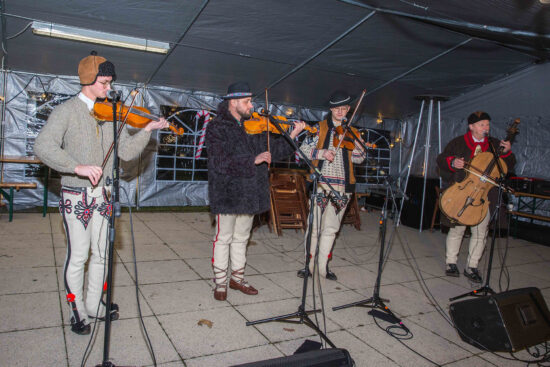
(411,159)
(446,23)
(4,83)
(419,66)
(177,42)
(426,159)
(330,44)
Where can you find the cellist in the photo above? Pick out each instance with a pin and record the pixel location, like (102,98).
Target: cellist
(451,163)
(73,143)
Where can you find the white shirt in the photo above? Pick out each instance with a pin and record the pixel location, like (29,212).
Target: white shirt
(86,100)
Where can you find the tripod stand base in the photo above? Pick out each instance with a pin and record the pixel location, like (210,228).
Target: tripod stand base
(480,292)
(379,310)
(304,319)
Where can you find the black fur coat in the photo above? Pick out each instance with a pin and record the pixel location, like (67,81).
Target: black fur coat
(235,184)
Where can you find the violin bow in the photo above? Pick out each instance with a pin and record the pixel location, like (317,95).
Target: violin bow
(267,124)
(351,119)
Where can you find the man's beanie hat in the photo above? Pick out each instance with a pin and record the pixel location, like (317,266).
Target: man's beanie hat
(478,116)
(93,66)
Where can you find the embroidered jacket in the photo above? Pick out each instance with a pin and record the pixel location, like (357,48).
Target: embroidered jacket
(339,173)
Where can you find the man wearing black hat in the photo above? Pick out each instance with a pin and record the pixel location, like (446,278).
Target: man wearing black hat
(238,184)
(451,163)
(73,143)
(336,166)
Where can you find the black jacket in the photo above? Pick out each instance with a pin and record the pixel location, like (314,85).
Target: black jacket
(235,184)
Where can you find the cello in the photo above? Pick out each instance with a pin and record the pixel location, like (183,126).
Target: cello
(466,202)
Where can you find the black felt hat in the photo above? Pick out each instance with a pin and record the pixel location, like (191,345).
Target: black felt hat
(478,116)
(339,98)
(238,90)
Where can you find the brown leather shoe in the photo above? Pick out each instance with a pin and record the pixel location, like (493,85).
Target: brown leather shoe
(220,293)
(243,287)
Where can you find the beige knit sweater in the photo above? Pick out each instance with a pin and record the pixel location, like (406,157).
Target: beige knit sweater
(73,137)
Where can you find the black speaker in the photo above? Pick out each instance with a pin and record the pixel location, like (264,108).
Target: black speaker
(412,208)
(503,322)
(335,357)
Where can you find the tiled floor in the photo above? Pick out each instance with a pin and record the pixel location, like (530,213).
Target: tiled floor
(175,290)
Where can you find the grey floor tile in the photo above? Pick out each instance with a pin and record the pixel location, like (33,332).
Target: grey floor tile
(29,311)
(178,297)
(228,332)
(127,345)
(28,280)
(162,271)
(247,355)
(37,347)
(25,257)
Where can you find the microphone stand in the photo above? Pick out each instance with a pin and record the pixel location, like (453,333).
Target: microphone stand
(302,313)
(486,288)
(375,303)
(115,205)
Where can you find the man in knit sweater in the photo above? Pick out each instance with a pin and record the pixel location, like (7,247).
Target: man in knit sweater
(73,143)
(336,166)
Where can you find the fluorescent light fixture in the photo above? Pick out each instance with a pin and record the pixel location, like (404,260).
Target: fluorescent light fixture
(102,38)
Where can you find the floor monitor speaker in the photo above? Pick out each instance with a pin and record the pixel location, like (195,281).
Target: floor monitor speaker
(334,357)
(503,322)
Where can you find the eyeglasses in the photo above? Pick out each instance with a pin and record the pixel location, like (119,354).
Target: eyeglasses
(340,109)
(106,83)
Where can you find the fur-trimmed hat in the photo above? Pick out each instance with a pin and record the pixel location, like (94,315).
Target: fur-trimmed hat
(339,98)
(478,116)
(238,90)
(93,66)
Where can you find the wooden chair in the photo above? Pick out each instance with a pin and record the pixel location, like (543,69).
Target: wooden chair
(351,216)
(288,201)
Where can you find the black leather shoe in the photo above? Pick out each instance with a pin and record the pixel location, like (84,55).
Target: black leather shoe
(80,327)
(113,315)
(301,273)
(331,275)
(452,270)
(473,275)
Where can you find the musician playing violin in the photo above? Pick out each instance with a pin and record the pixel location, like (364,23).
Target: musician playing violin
(451,163)
(73,143)
(238,184)
(336,165)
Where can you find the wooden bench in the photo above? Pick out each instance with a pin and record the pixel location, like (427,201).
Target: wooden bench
(9,196)
(529,202)
(22,185)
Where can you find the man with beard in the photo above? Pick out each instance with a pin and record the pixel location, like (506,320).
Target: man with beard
(238,184)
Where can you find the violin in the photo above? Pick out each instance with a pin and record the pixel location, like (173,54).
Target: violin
(135,116)
(258,124)
(348,142)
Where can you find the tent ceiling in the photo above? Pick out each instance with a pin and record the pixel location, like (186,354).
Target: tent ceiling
(405,49)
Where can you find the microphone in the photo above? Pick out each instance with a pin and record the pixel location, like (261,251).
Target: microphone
(486,134)
(113,95)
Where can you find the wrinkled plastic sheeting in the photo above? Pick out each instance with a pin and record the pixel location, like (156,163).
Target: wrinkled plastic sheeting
(139,186)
